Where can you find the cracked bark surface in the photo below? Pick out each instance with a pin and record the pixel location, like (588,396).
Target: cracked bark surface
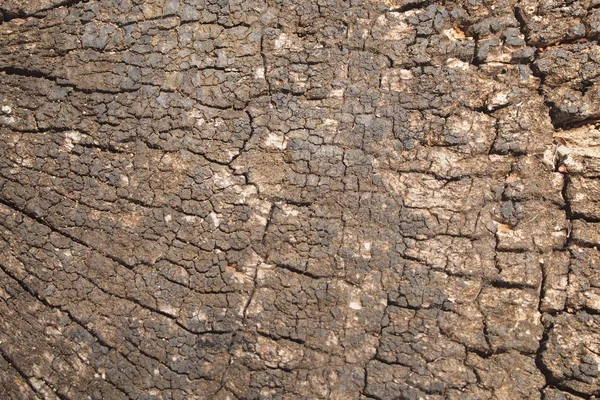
(260,199)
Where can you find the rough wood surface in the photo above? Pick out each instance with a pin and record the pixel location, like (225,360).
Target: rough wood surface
(294,199)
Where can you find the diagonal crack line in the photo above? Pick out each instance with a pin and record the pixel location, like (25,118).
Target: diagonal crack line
(38,74)
(41,221)
(127,298)
(16,367)
(8,15)
(45,302)
(117,260)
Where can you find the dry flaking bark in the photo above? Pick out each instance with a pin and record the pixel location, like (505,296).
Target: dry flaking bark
(265,199)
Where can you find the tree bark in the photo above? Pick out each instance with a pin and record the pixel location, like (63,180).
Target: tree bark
(260,199)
